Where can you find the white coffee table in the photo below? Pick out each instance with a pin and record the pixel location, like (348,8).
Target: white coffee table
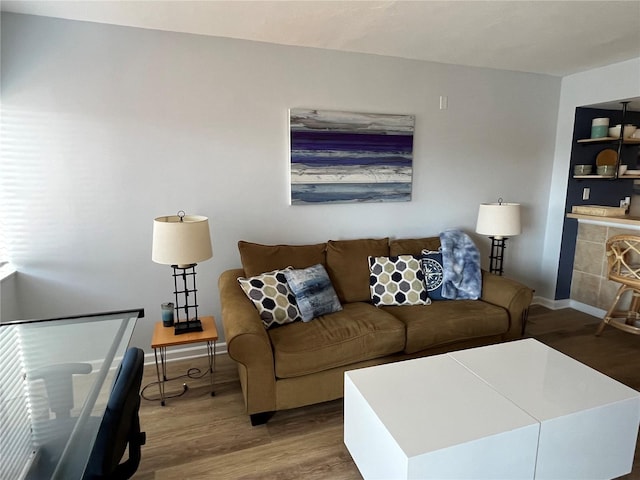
(507,411)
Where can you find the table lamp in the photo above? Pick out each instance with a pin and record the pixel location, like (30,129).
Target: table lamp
(498,221)
(182,241)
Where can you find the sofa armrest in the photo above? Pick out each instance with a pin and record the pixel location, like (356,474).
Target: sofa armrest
(510,295)
(247,343)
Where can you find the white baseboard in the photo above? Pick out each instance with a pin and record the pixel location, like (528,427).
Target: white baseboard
(551,304)
(185,353)
(584,308)
(568,303)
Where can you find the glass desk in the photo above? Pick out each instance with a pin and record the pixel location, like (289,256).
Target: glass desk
(55,379)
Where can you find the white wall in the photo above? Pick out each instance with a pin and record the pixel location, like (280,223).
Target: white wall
(9,308)
(614,82)
(108,127)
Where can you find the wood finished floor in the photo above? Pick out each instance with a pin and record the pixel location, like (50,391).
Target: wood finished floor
(198,436)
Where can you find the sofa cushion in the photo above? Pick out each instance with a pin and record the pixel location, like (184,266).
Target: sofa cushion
(358,332)
(314,293)
(272,297)
(413,246)
(448,321)
(257,259)
(348,266)
(433,273)
(397,281)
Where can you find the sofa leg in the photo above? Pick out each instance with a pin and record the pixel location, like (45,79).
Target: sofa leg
(260,418)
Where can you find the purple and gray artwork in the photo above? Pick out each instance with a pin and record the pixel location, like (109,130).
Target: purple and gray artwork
(343,157)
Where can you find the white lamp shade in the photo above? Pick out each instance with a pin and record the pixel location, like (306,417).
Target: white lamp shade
(499,219)
(177,242)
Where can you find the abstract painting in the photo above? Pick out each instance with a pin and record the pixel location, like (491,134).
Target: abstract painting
(343,157)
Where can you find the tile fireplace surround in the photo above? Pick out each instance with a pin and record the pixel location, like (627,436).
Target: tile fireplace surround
(589,283)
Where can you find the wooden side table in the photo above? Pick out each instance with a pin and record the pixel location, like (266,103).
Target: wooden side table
(164,337)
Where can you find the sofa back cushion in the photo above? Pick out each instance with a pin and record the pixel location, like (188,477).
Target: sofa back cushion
(257,258)
(348,266)
(413,246)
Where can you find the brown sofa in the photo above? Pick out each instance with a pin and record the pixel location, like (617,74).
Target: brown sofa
(300,363)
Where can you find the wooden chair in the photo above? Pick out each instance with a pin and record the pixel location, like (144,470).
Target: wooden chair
(623,260)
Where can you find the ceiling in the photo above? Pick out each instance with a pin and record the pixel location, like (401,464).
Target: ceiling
(548,37)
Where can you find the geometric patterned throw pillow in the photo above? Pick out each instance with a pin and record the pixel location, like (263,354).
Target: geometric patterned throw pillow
(272,296)
(397,281)
(433,273)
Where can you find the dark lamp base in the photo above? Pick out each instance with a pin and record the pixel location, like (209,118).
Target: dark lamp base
(188,326)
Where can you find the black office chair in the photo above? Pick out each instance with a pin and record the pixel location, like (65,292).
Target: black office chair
(120,424)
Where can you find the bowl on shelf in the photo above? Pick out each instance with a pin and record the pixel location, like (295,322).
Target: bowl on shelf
(606,170)
(633,172)
(582,169)
(628,131)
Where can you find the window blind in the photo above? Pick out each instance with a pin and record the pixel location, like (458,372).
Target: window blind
(4,256)
(16,445)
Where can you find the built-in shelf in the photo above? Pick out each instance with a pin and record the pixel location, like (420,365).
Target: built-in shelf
(595,176)
(607,176)
(629,141)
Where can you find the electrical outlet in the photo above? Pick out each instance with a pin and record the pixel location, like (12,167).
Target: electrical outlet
(444,102)
(586,191)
